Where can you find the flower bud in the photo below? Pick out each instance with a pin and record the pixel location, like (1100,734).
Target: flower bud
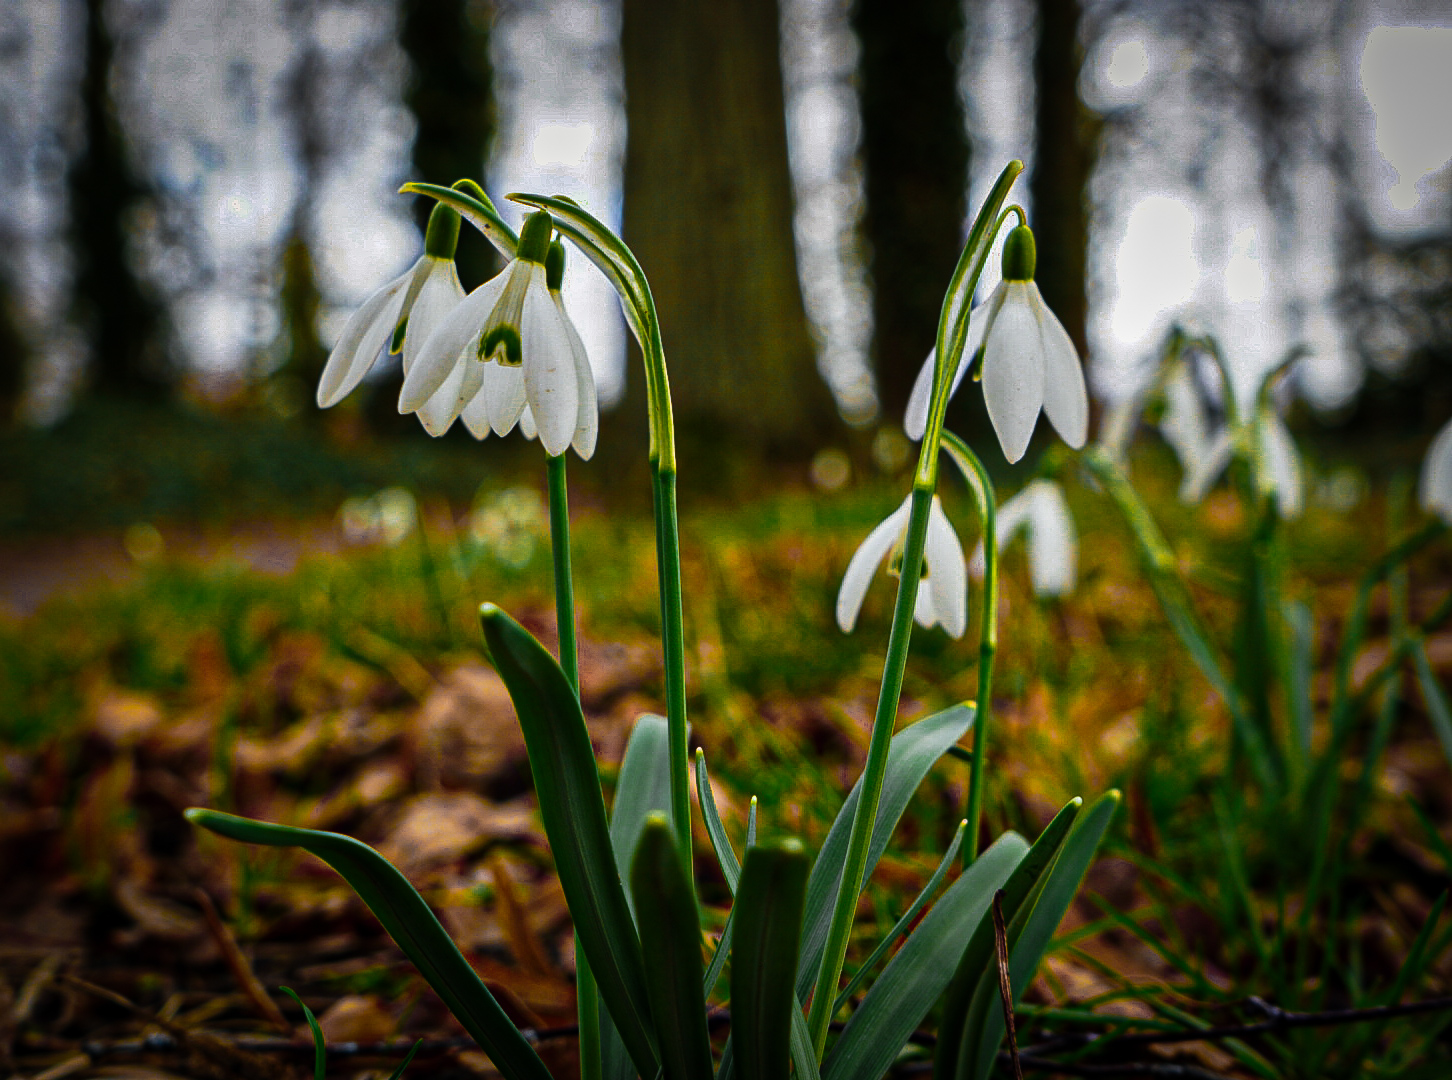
(1019,255)
(555,266)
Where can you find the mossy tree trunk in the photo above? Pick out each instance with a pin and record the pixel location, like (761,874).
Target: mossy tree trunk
(708,211)
(915,158)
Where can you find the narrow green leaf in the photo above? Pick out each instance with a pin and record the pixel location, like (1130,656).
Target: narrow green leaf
(720,842)
(573,811)
(410,923)
(974,960)
(913,751)
(917,976)
(642,788)
(1029,936)
(902,926)
(1438,711)
(1298,619)
(320,1049)
(397,1073)
(768,932)
(803,1056)
(481,215)
(670,934)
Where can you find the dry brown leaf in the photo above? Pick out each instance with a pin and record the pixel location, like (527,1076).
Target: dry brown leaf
(441,827)
(357,1018)
(466,732)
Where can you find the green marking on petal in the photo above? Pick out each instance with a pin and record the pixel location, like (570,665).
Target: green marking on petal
(398,334)
(555,266)
(502,344)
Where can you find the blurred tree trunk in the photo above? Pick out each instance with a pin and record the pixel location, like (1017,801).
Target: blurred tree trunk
(450,91)
(14,358)
(915,156)
(124,322)
(708,211)
(1066,138)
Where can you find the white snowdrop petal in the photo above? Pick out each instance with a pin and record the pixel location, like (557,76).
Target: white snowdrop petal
(439,412)
(1205,466)
(1066,399)
(1053,546)
(527,426)
(1282,464)
(948,579)
(587,411)
(440,294)
(504,388)
(1013,372)
(476,415)
(924,607)
(864,565)
(361,341)
(549,368)
(1434,491)
(443,349)
(915,419)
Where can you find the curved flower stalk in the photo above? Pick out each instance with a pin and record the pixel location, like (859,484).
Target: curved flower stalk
(507,344)
(1041,511)
(398,315)
(1434,491)
(1028,362)
(943,589)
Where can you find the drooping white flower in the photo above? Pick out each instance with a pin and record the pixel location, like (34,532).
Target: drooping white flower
(509,345)
(415,302)
(942,592)
(1434,491)
(1029,361)
(1041,510)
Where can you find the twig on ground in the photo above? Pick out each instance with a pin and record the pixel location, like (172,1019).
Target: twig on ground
(1005,984)
(239,965)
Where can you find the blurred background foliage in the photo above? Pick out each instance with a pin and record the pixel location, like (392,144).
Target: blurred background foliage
(201,191)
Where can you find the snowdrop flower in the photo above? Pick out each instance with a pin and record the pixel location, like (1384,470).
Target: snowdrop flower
(409,306)
(1052,546)
(1029,362)
(509,345)
(1277,469)
(1435,490)
(943,590)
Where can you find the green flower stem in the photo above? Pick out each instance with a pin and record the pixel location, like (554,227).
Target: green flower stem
(982,487)
(849,887)
(586,995)
(673,640)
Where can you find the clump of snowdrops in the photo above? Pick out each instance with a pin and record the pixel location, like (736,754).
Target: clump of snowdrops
(507,355)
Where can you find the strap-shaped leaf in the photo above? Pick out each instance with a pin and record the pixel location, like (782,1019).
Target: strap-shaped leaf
(410,923)
(1438,710)
(573,811)
(913,751)
(1029,935)
(974,961)
(670,934)
(481,215)
(903,925)
(320,1049)
(769,908)
(642,788)
(917,976)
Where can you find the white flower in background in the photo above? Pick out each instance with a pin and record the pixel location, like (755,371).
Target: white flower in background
(1203,449)
(1053,548)
(508,345)
(1435,490)
(943,590)
(1029,362)
(414,302)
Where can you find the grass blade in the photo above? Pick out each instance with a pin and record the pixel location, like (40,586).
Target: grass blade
(320,1049)
(913,751)
(410,923)
(1029,936)
(1438,711)
(917,976)
(573,811)
(670,934)
(974,961)
(768,931)
(720,842)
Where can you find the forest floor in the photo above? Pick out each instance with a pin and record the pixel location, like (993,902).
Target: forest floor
(326,671)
